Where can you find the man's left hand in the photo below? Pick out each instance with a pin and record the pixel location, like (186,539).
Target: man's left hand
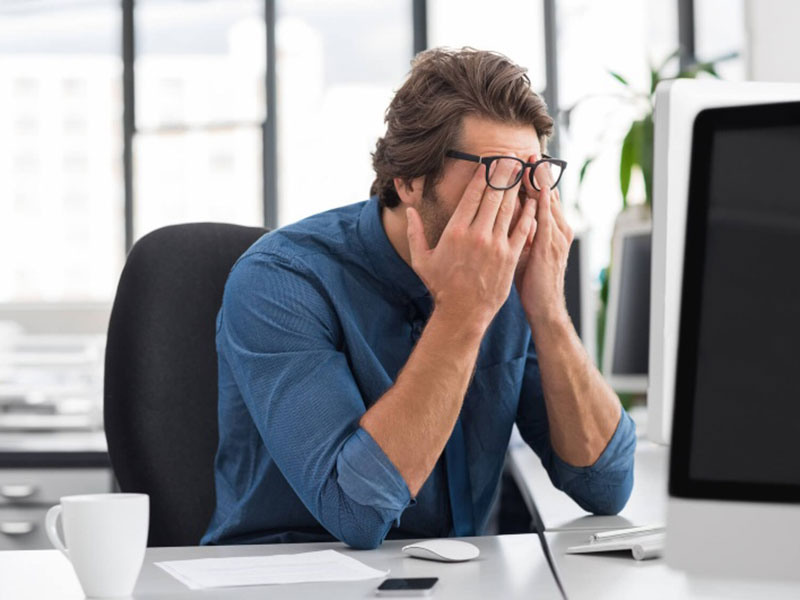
(540,272)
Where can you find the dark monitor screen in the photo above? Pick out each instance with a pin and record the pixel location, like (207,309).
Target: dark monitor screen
(631,332)
(572,286)
(736,432)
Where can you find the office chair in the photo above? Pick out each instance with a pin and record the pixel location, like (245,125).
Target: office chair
(160,397)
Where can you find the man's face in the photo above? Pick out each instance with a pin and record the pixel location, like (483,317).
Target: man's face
(481,137)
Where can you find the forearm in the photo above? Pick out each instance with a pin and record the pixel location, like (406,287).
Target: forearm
(582,410)
(413,420)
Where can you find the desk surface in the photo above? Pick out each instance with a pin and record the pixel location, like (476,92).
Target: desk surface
(53,449)
(511,566)
(616,575)
(647,504)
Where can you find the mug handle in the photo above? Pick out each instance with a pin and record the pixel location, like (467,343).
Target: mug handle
(50,527)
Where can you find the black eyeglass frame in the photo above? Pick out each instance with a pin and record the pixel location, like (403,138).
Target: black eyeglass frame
(488,160)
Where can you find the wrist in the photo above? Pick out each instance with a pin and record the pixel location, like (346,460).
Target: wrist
(549,321)
(459,327)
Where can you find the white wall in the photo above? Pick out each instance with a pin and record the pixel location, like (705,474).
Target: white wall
(773,40)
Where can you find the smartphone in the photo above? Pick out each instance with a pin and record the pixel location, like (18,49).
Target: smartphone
(411,586)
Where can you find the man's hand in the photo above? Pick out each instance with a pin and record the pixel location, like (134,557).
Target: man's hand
(469,272)
(540,273)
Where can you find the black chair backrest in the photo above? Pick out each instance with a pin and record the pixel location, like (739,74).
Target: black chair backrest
(161,373)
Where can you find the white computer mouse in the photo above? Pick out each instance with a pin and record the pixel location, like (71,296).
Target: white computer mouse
(443,550)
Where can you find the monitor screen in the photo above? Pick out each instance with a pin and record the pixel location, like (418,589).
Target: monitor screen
(573,291)
(736,433)
(631,335)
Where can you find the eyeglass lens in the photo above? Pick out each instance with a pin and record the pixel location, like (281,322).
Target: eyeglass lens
(545,174)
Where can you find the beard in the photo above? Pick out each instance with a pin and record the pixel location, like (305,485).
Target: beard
(435,215)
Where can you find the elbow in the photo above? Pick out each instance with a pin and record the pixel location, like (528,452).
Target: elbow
(614,497)
(365,536)
(362,542)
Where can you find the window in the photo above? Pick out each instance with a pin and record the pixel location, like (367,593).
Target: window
(59,65)
(720,31)
(200,73)
(514,28)
(337,65)
(594,38)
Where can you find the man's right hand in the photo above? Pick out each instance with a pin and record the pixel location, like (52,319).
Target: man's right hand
(470,271)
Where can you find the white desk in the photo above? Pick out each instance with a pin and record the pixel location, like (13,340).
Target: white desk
(616,576)
(511,566)
(647,504)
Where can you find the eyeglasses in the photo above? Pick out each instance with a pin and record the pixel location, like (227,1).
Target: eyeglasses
(546,171)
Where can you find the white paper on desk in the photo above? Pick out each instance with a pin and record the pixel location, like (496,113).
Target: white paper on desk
(323,565)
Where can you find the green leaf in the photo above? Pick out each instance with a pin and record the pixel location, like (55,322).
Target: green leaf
(646,156)
(585,166)
(626,163)
(619,78)
(655,77)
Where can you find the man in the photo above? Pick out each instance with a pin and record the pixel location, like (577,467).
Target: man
(374,358)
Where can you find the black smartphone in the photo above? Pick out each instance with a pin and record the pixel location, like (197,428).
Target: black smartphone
(410,586)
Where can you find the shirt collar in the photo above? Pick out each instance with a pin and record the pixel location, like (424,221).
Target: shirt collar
(388,266)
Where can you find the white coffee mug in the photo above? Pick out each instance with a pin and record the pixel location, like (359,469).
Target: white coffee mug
(106,537)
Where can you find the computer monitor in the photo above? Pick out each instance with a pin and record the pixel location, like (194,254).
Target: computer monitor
(677,104)
(580,296)
(734,486)
(625,341)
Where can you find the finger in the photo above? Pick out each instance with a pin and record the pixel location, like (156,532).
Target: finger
(526,180)
(543,176)
(471,199)
(506,171)
(544,215)
(525,228)
(417,244)
(533,229)
(506,211)
(558,215)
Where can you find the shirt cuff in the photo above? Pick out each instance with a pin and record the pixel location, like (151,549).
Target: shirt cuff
(617,455)
(369,478)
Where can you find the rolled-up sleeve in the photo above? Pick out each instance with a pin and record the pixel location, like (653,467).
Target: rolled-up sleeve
(602,488)
(278,332)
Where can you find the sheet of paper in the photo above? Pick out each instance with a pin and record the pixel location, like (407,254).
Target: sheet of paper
(323,565)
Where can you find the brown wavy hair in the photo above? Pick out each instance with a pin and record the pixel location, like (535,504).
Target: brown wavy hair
(424,118)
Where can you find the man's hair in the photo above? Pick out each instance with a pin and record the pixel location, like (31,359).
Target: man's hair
(425,116)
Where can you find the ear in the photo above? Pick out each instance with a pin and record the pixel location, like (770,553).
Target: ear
(410,192)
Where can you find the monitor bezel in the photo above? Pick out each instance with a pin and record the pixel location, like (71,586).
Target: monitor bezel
(630,383)
(681,483)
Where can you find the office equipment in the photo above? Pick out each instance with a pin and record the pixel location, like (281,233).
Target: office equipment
(628,532)
(443,550)
(642,547)
(677,104)
(578,290)
(611,576)
(625,344)
(410,586)
(734,486)
(511,567)
(161,372)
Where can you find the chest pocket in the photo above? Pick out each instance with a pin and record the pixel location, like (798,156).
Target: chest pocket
(490,406)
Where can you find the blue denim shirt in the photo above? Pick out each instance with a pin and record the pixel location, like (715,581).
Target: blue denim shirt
(317,320)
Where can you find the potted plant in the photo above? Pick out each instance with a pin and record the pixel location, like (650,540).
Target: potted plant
(636,155)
